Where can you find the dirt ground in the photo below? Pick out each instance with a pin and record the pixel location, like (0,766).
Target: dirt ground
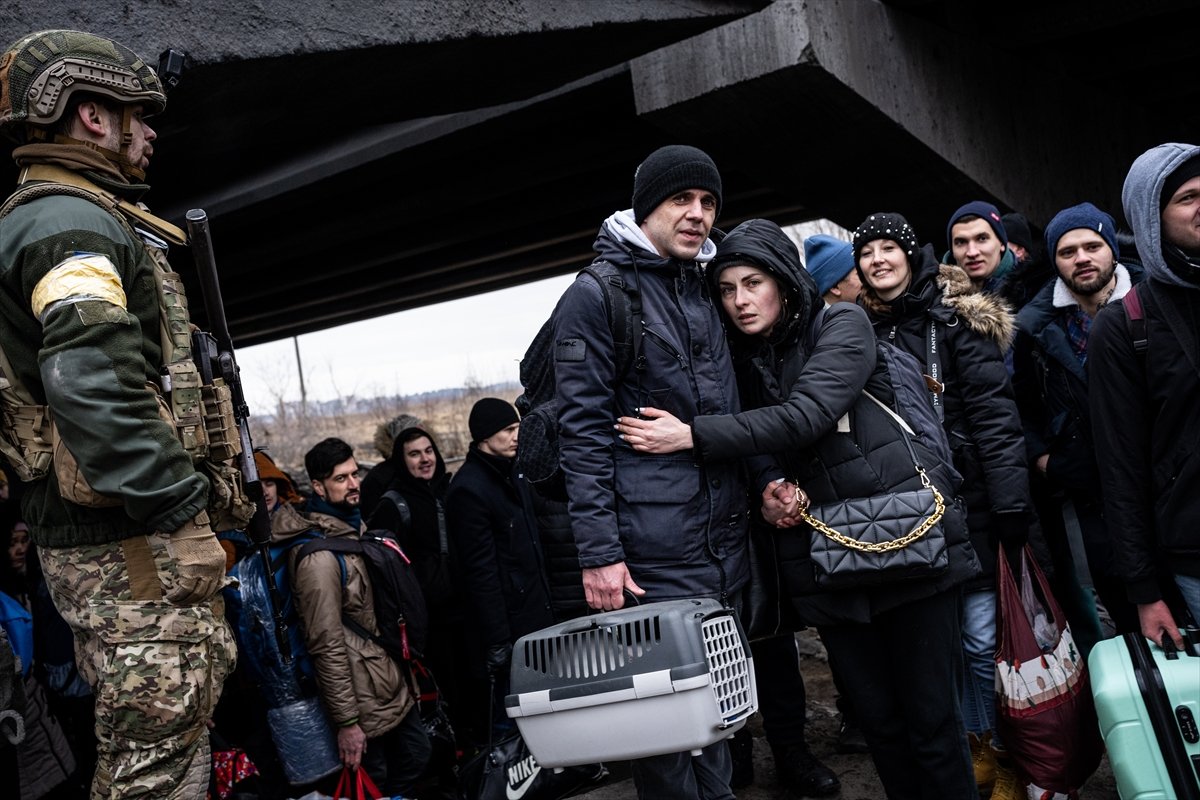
(859,781)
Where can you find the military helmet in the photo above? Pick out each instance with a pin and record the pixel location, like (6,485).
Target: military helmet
(39,73)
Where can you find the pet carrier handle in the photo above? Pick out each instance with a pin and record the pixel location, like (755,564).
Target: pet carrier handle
(587,623)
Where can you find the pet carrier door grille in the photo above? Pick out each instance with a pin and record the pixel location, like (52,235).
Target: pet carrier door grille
(728,667)
(596,651)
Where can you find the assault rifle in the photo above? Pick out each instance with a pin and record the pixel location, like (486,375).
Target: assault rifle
(213,354)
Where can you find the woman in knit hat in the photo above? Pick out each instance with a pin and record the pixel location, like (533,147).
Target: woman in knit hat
(959,335)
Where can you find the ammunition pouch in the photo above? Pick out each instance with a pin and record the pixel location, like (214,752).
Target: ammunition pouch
(224,440)
(228,505)
(186,408)
(211,421)
(25,435)
(72,484)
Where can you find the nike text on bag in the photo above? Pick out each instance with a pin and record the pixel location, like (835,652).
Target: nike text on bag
(508,771)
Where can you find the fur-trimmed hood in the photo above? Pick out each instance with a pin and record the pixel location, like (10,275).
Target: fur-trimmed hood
(945,291)
(984,313)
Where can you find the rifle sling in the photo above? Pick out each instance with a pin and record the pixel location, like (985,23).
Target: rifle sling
(52,174)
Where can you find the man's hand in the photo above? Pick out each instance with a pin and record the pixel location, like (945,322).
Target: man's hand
(1043,463)
(199,563)
(604,587)
(657,432)
(352,743)
(782,502)
(1156,620)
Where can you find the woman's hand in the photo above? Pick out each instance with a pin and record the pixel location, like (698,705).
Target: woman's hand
(658,432)
(782,502)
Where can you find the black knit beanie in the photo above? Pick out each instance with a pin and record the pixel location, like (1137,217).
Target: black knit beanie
(986,212)
(489,416)
(669,170)
(886,225)
(1017,228)
(1182,174)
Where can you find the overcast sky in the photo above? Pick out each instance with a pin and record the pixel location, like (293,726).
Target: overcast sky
(480,338)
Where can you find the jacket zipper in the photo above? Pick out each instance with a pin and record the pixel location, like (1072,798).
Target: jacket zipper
(665,346)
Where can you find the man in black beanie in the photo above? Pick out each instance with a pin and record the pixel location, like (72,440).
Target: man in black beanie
(655,527)
(493,533)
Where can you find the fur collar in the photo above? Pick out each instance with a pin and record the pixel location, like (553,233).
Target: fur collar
(1064,299)
(986,314)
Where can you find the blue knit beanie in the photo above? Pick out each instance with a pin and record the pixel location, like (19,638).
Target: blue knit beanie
(828,260)
(984,210)
(1084,215)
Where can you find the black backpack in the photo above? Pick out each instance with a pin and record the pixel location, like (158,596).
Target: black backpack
(537,449)
(400,611)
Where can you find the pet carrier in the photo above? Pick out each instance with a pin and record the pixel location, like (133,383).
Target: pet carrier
(653,679)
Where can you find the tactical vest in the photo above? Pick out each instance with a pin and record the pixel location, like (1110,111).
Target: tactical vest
(200,415)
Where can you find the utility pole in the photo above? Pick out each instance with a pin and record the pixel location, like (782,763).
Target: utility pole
(300,372)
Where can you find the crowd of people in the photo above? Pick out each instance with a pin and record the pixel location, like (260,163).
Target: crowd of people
(1059,372)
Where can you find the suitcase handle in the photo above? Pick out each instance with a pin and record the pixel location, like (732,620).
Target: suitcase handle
(1168,646)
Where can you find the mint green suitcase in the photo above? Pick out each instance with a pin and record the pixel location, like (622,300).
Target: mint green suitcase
(1148,703)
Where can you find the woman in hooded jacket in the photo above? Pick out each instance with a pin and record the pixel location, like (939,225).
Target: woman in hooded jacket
(960,335)
(801,370)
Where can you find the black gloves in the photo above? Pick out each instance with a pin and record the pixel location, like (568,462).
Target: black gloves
(499,656)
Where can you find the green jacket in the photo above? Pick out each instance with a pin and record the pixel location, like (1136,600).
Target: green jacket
(90,359)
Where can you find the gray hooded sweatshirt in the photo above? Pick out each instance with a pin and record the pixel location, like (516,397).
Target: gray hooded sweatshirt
(1144,421)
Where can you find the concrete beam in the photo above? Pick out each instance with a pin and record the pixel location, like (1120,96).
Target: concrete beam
(899,89)
(230,30)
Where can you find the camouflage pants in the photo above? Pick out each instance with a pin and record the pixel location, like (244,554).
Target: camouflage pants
(156,668)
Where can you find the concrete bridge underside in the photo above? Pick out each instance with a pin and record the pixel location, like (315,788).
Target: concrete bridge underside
(358,159)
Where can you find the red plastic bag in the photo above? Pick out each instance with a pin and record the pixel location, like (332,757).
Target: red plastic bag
(356,784)
(1046,718)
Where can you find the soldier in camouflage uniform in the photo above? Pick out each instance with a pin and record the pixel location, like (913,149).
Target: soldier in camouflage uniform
(93,331)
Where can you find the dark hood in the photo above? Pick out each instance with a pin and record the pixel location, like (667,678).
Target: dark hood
(764,244)
(406,479)
(1141,199)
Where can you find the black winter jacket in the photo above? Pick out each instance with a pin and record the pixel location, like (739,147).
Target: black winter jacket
(1144,419)
(425,538)
(795,399)
(495,543)
(981,419)
(680,527)
(1052,394)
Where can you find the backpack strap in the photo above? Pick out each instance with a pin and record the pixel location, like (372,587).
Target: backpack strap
(1135,321)
(443,538)
(397,499)
(1184,334)
(623,301)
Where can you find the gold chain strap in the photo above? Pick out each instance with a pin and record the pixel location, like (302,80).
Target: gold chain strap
(939,508)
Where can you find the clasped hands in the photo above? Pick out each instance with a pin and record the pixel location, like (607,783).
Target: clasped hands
(782,502)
